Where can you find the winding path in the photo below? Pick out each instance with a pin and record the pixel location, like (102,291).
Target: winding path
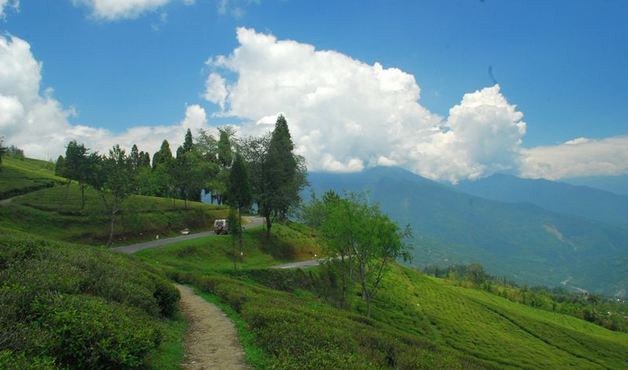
(211,341)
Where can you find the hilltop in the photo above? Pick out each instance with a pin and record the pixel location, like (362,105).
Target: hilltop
(49,206)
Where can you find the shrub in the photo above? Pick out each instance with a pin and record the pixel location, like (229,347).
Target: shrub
(83,307)
(87,332)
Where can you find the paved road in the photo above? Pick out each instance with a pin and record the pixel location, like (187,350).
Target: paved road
(300,264)
(255,221)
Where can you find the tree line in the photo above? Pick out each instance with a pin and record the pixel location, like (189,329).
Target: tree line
(242,172)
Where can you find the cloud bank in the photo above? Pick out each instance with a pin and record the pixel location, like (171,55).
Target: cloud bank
(578,157)
(111,10)
(344,115)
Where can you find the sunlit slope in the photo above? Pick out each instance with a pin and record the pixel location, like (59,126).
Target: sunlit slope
(56,213)
(19,176)
(489,327)
(450,326)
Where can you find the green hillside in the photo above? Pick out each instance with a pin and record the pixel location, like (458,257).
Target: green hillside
(55,211)
(56,296)
(20,176)
(418,321)
(521,241)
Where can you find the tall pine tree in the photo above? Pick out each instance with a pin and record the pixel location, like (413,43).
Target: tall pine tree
(239,195)
(283,176)
(188,144)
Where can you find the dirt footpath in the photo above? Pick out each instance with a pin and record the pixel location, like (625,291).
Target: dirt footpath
(211,341)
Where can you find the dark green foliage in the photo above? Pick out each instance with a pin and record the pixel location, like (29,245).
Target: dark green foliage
(88,332)
(239,189)
(60,166)
(282,175)
(188,144)
(83,307)
(10,360)
(225,152)
(163,156)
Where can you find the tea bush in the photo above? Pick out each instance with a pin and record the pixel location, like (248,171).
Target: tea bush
(77,306)
(301,332)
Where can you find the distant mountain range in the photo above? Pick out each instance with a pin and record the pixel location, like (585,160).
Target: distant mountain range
(615,184)
(523,241)
(559,197)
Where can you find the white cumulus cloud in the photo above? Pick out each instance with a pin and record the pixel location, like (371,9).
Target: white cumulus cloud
(38,123)
(578,157)
(346,115)
(111,10)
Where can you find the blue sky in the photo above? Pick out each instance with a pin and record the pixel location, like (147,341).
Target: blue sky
(562,63)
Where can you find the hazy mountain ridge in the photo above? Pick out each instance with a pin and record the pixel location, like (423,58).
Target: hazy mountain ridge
(519,240)
(558,197)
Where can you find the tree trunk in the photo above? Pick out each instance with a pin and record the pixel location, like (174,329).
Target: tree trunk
(113,219)
(269,225)
(82,196)
(344,278)
(233,251)
(350,267)
(240,235)
(368,305)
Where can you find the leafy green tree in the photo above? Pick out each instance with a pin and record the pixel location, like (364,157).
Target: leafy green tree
(283,175)
(190,173)
(239,195)
(77,166)
(207,146)
(116,183)
(225,150)
(332,217)
(359,234)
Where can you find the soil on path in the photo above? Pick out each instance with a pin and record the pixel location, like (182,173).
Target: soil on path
(211,341)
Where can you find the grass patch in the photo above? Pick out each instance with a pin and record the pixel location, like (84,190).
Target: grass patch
(255,356)
(170,353)
(214,253)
